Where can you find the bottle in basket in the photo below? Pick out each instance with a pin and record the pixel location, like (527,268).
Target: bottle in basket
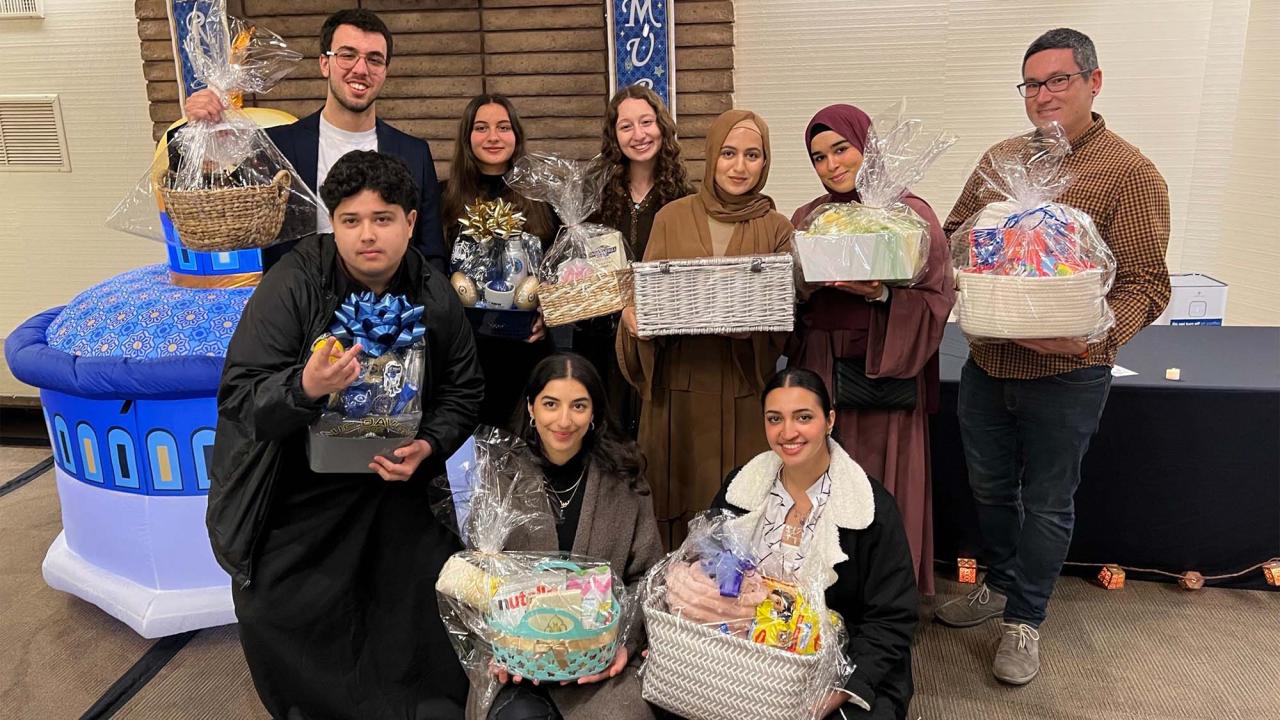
(515,263)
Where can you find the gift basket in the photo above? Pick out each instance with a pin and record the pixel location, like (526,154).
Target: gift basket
(493,263)
(381,410)
(224,186)
(586,272)
(715,295)
(543,616)
(1030,267)
(880,238)
(729,642)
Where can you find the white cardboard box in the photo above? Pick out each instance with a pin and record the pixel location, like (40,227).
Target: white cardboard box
(1196,300)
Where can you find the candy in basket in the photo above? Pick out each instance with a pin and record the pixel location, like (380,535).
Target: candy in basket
(493,262)
(545,616)
(586,271)
(381,410)
(1030,267)
(729,642)
(224,186)
(879,238)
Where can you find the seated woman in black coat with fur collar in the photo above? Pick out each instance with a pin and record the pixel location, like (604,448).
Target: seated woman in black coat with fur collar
(818,515)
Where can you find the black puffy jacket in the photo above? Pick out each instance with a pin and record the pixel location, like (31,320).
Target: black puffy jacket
(262,409)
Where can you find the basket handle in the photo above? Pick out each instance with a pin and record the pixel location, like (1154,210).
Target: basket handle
(757,264)
(558,565)
(664,267)
(282,181)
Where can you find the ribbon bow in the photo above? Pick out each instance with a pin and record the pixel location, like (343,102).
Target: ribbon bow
(378,325)
(485,221)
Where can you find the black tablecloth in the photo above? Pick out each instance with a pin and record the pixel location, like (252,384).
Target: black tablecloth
(1181,476)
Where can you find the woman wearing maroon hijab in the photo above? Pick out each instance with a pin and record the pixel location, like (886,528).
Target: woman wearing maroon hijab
(896,331)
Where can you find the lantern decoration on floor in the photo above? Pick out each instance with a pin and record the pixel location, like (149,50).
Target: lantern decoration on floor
(967,570)
(1111,577)
(1272,572)
(1191,580)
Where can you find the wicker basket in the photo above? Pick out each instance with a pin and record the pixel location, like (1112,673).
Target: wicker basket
(232,218)
(715,296)
(1013,307)
(698,672)
(601,294)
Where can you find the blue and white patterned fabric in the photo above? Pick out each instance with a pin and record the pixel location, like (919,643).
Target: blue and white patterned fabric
(139,315)
(642,50)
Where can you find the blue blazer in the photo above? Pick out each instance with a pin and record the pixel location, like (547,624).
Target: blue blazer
(300,143)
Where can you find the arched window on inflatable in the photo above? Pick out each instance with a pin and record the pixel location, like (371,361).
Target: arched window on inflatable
(202,453)
(63,445)
(166,470)
(88,443)
(124,460)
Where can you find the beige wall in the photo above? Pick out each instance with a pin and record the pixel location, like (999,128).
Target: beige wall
(1193,84)
(53,243)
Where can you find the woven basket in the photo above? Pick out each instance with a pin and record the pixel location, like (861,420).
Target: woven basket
(715,296)
(698,672)
(601,294)
(232,218)
(1013,307)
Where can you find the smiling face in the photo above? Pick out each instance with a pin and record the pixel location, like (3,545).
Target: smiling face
(493,139)
(741,161)
(372,236)
(357,87)
(638,133)
(562,413)
(1072,107)
(835,160)
(795,426)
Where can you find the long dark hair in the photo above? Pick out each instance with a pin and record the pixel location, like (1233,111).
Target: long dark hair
(464,185)
(607,449)
(801,378)
(670,178)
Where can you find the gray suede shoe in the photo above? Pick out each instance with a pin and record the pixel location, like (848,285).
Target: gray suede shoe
(975,608)
(1018,657)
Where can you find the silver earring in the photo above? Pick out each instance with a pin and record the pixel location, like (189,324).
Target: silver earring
(592,426)
(532,424)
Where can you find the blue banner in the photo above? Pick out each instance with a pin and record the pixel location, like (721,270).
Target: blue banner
(642,47)
(183,15)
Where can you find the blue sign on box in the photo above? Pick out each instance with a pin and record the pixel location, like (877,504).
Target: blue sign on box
(642,47)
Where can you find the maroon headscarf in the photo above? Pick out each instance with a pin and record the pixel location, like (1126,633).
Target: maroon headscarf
(849,123)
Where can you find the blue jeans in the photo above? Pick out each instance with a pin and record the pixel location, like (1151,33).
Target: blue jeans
(1023,443)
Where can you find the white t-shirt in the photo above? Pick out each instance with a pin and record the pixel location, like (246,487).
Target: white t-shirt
(334,143)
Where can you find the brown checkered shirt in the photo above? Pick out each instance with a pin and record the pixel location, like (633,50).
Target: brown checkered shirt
(1128,200)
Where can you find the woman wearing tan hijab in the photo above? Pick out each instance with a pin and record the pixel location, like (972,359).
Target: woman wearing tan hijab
(700,414)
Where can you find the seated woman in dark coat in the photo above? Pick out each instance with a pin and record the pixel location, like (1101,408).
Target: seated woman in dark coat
(818,515)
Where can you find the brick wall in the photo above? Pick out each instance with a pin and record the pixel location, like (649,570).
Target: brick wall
(549,56)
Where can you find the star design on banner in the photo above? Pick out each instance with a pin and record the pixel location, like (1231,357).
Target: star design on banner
(658,71)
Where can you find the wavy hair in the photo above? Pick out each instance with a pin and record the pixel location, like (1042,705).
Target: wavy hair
(464,185)
(670,178)
(606,447)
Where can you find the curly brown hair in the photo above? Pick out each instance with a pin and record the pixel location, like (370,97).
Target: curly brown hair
(670,179)
(464,185)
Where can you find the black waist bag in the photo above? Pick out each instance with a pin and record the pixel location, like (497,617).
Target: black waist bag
(855,391)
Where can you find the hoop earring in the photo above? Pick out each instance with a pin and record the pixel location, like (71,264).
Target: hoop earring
(532,424)
(592,426)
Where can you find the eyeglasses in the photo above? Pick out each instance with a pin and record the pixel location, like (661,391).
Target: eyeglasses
(1055,84)
(347,59)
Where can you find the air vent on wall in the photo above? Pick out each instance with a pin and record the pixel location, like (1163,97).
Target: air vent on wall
(31,136)
(21,9)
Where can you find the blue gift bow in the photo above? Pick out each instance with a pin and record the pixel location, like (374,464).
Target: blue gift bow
(378,325)
(725,565)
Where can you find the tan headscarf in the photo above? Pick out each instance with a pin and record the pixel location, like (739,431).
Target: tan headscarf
(721,205)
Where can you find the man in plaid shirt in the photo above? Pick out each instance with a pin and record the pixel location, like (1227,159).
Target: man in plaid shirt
(1028,408)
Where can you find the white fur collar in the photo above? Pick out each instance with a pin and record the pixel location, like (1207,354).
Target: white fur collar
(851,506)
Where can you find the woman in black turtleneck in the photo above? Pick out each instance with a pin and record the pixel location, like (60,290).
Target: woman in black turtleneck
(594,477)
(489,139)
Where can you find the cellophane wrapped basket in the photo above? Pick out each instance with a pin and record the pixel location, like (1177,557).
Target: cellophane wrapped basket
(759,649)
(1029,267)
(224,186)
(586,272)
(879,238)
(544,616)
(715,296)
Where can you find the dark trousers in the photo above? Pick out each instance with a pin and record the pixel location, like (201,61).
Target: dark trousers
(1023,443)
(525,701)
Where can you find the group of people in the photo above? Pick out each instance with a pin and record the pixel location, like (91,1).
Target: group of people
(333,574)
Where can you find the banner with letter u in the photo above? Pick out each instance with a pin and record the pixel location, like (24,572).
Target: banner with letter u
(642,47)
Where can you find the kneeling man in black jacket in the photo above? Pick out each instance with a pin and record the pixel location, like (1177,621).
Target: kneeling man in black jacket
(333,575)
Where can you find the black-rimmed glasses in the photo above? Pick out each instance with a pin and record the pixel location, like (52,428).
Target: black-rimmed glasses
(1055,84)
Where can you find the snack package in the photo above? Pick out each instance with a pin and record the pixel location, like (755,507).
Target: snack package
(581,271)
(880,238)
(1029,267)
(547,616)
(381,410)
(764,648)
(224,186)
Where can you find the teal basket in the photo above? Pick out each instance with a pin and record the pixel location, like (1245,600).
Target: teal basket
(552,657)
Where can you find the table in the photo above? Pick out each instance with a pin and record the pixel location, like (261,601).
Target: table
(1181,475)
